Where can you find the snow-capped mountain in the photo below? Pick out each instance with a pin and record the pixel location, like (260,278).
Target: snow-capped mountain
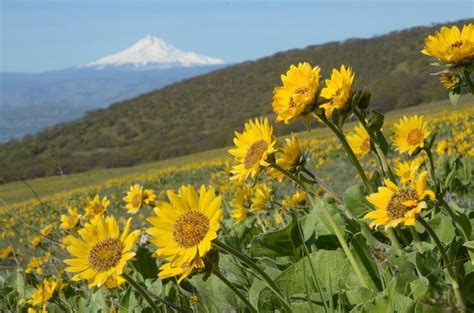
(151,51)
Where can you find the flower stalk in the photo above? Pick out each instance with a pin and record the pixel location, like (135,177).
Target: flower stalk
(452,276)
(234,290)
(142,291)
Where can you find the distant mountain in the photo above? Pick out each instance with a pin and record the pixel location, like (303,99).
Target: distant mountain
(152,51)
(201,113)
(31,102)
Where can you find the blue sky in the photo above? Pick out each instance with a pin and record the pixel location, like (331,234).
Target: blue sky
(42,35)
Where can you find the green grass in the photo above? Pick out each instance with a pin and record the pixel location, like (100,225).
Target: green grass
(22,190)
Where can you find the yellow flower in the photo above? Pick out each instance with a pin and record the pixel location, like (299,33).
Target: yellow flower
(261,197)
(396,205)
(338,90)
(184,228)
(451,45)
(136,197)
(405,170)
(48,289)
(449,80)
(410,134)
(240,204)
(102,252)
(6,252)
(297,95)
(35,241)
(46,231)
(253,147)
(296,199)
(97,206)
(35,265)
(289,158)
(114,281)
(360,141)
(70,221)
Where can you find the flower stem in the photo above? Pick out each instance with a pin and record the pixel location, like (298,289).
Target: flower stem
(234,289)
(440,196)
(342,241)
(349,152)
(144,293)
(444,256)
(381,156)
(273,287)
(416,239)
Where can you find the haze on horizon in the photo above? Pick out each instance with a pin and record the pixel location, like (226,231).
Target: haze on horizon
(39,36)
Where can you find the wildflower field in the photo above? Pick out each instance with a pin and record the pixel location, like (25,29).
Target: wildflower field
(364,213)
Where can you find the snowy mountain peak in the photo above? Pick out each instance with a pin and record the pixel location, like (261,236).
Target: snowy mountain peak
(152,51)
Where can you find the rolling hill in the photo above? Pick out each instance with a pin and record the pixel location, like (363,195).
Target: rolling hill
(201,113)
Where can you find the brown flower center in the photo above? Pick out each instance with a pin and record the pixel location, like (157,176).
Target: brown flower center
(365,145)
(105,254)
(396,208)
(190,228)
(255,152)
(457,44)
(137,200)
(415,137)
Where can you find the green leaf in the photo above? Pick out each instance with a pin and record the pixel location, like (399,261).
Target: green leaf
(128,303)
(359,295)
(145,263)
(444,228)
(362,254)
(282,242)
(454,95)
(375,121)
(354,198)
(419,287)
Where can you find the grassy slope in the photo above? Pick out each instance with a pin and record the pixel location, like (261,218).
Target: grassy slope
(200,114)
(19,191)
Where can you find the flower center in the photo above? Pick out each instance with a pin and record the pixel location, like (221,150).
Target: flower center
(396,208)
(105,254)
(415,137)
(255,152)
(137,200)
(457,44)
(190,229)
(365,145)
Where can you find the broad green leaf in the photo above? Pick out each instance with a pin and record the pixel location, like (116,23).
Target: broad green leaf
(359,295)
(454,95)
(362,254)
(283,242)
(419,287)
(444,228)
(354,198)
(145,263)
(375,121)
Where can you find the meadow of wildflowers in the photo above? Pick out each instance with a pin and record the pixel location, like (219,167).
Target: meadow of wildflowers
(361,215)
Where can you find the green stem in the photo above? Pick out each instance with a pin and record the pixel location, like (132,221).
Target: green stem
(222,246)
(234,289)
(394,240)
(381,156)
(416,239)
(440,196)
(60,304)
(350,153)
(444,256)
(290,176)
(143,292)
(342,241)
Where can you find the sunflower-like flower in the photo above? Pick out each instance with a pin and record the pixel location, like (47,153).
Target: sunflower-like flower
(6,252)
(410,134)
(396,205)
(405,170)
(261,196)
(449,80)
(288,159)
(70,221)
(97,206)
(136,197)
(36,264)
(253,148)
(338,90)
(359,141)
(102,252)
(240,204)
(298,93)
(298,198)
(184,228)
(451,45)
(47,290)
(41,310)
